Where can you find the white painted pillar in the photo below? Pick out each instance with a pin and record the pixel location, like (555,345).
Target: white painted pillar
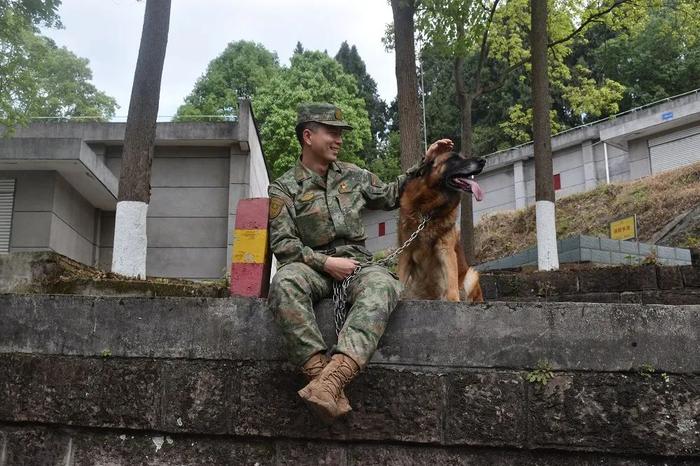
(519,185)
(607,166)
(130,240)
(589,175)
(547,254)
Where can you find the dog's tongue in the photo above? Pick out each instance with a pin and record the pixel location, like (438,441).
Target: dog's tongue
(476,189)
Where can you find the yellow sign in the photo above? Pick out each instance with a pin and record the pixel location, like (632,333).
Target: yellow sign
(623,229)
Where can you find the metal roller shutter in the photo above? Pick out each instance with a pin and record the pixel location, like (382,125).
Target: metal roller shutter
(675,150)
(7,197)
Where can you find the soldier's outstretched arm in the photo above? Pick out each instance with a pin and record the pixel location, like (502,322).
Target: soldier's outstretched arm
(386,196)
(284,236)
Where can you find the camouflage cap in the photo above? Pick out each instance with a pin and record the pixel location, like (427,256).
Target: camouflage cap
(327,114)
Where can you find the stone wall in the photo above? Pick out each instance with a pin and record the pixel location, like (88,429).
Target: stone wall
(648,284)
(97,380)
(583,248)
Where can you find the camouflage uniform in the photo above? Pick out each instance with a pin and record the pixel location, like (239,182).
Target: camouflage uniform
(311,218)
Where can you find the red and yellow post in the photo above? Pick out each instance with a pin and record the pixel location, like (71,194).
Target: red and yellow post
(250,263)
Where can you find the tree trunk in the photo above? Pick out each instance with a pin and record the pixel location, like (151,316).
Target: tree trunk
(407,82)
(466,216)
(547,255)
(130,240)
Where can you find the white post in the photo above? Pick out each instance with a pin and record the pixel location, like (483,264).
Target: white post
(130,240)
(547,254)
(607,167)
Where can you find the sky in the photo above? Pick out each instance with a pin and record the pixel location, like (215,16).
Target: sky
(107,33)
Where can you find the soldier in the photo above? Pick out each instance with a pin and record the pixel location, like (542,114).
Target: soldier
(317,235)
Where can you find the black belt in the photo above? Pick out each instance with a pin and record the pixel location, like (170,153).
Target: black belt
(330,248)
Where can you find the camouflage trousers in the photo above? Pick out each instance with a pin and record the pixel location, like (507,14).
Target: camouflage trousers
(296,287)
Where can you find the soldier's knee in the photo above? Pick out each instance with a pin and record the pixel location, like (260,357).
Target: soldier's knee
(380,280)
(290,277)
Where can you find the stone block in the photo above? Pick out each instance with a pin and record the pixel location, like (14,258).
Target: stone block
(414,455)
(570,256)
(156,448)
(607,244)
(616,412)
(195,396)
(623,258)
(600,257)
(511,284)
(671,297)
(629,247)
(590,298)
(569,244)
(310,453)
(131,393)
(683,254)
(489,286)
(691,276)
(665,252)
(669,278)
(32,446)
(631,297)
(590,242)
(48,389)
(617,279)
(647,249)
(486,409)
(586,255)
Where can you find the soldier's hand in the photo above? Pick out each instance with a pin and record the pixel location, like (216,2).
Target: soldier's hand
(339,267)
(439,147)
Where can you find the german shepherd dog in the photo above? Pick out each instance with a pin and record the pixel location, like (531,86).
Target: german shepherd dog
(433,266)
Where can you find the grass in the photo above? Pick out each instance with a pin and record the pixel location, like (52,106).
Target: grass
(656,200)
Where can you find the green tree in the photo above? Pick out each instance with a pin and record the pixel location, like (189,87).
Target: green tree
(37,78)
(352,63)
(661,51)
(311,77)
(238,72)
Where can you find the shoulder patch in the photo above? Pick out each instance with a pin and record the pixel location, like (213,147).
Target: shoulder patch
(276,204)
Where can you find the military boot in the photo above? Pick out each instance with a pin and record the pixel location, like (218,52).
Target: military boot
(312,368)
(322,394)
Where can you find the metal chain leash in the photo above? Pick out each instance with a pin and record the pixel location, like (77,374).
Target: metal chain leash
(340,288)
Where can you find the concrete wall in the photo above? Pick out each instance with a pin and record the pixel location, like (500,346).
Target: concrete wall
(188,213)
(74,224)
(32,214)
(50,215)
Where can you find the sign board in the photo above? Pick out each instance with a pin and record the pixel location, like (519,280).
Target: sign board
(667,116)
(623,229)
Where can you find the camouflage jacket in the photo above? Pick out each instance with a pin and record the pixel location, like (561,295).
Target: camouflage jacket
(312,217)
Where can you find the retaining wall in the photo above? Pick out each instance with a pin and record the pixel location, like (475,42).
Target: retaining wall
(106,380)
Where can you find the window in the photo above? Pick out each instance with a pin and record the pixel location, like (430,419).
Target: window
(557,182)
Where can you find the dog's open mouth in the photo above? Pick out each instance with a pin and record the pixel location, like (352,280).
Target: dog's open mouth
(468,184)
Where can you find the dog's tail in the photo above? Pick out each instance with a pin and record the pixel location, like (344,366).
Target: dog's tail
(472,288)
